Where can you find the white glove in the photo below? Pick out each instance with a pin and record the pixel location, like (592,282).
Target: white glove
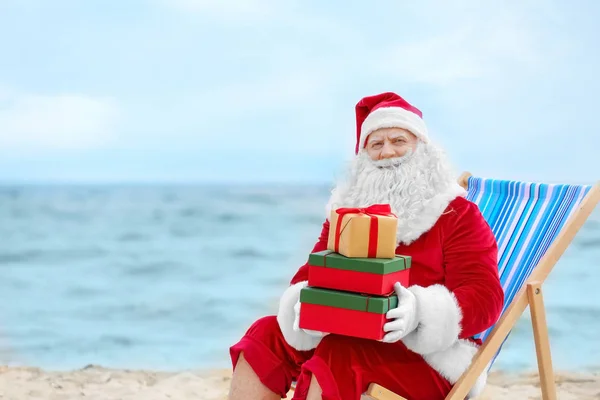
(404,316)
(297,324)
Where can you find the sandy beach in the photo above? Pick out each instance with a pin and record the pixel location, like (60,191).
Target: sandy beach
(94,382)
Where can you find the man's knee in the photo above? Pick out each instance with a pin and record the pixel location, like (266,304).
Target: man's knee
(258,339)
(334,368)
(339,353)
(272,360)
(336,345)
(265,328)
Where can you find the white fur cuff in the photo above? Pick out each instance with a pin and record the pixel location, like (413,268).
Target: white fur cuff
(439,317)
(452,362)
(299,340)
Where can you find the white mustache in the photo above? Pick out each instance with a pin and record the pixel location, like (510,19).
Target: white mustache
(393,162)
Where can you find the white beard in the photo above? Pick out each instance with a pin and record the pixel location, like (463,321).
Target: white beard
(418,187)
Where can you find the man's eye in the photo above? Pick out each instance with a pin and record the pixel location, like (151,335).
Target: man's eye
(400,140)
(377,145)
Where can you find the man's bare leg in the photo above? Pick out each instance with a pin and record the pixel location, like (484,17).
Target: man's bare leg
(314,390)
(245,384)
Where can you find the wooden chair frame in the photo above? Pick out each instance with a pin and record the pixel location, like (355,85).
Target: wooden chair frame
(530,295)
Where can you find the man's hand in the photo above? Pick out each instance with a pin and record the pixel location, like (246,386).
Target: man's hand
(404,316)
(297,324)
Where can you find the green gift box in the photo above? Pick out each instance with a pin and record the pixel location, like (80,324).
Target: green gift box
(377,276)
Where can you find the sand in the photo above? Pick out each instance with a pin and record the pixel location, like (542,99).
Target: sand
(95,382)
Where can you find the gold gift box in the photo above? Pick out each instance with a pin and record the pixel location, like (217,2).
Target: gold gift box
(355,235)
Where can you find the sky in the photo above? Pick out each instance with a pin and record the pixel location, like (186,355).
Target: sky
(264,90)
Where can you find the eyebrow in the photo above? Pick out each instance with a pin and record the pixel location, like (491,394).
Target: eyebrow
(375,139)
(392,136)
(399,135)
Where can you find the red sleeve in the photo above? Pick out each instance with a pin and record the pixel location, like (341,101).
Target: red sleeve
(471,263)
(302,274)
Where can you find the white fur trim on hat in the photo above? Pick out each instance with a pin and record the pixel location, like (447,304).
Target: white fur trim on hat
(393,117)
(298,339)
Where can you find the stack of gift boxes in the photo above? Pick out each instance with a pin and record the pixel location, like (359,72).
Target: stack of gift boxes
(351,285)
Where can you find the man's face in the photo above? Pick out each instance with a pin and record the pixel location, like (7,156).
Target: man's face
(390,143)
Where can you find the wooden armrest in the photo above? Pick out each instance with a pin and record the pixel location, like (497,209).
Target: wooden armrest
(378,392)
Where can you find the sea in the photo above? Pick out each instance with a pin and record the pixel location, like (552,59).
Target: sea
(169,276)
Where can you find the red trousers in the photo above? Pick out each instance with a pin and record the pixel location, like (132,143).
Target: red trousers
(343,366)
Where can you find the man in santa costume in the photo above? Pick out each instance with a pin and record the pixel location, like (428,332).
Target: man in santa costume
(454,291)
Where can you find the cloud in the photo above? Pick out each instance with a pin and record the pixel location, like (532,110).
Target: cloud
(65,121)
(280,92)
(479,44)
(254,113)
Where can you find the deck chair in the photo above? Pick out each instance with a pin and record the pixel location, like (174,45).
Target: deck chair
(533,224)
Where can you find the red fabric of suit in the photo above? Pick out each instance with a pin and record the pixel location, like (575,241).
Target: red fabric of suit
(455,280)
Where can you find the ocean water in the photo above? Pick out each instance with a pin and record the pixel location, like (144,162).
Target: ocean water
(169,277)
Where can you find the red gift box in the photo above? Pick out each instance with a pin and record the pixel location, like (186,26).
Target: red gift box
(344,313)
(377,276)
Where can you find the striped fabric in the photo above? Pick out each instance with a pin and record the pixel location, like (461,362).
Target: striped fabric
(525,218)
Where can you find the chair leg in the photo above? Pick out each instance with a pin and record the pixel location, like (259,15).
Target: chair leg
(542,346)
(542,343)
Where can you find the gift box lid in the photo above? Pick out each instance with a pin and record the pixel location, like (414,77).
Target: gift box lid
(331,259)
(348,300)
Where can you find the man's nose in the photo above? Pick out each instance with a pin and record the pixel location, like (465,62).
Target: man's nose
(387,151)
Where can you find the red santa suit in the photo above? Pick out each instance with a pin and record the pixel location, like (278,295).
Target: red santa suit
(454,279)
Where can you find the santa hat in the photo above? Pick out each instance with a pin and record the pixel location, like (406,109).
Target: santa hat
(387,110)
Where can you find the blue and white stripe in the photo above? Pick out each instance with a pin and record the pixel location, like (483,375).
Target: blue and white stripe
(525,218)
